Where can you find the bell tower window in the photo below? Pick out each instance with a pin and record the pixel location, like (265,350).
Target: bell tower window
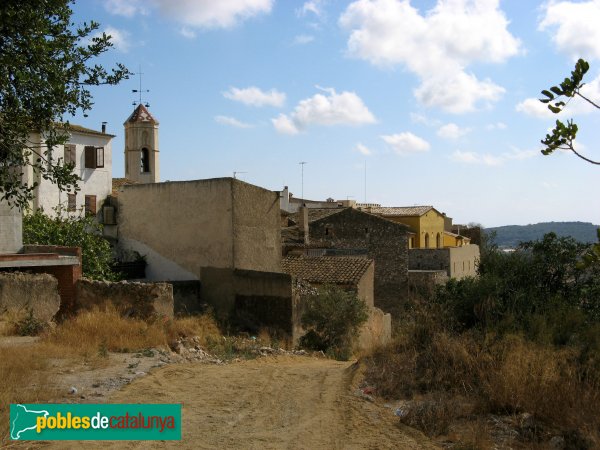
(145,161)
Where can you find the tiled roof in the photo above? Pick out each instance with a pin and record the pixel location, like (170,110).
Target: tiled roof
(141,114)
(315,214)
(400,210)
(84,130)
(327,269)
(119,182)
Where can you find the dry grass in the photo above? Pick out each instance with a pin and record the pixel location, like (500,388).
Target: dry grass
(24,370)
(507,375)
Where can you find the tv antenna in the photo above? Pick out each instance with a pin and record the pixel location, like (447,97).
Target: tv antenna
(140,91)
(235,174)
(302,164)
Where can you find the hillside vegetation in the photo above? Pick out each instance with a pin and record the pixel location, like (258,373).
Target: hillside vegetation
(509,236)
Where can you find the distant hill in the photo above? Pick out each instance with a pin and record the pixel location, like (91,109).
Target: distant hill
(509,236)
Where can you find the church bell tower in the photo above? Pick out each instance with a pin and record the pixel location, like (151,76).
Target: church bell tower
(141,147)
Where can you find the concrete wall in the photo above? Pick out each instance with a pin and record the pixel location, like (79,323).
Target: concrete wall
(385,242)
(141,300)
(221,223)
(11,228)
(458,262)
(366,286)
(21,292)
(96,182)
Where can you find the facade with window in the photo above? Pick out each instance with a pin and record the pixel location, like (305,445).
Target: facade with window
(90,153)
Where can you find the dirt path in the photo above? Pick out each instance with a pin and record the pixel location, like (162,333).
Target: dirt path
(266,403)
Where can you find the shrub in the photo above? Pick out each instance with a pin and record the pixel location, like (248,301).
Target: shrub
(332,319)
(73,231)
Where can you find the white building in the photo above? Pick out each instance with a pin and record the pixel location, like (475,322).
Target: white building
(91,152)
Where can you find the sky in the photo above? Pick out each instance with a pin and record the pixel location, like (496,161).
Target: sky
(396,102)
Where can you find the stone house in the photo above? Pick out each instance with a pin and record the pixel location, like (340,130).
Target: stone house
(351,232)
(349,273)
(91,152)
(426,221)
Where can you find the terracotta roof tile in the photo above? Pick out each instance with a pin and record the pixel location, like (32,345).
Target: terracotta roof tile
(399,210)
(141,114)
(118,183)
(327,269)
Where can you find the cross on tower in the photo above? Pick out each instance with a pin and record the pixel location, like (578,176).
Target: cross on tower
(140,90)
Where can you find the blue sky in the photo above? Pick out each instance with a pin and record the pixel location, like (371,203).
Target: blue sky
(437,98)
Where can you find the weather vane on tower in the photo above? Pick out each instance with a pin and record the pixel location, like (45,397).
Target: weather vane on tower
(140,91)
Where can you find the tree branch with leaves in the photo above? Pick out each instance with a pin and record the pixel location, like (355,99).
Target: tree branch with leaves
(562,137)
(47,65)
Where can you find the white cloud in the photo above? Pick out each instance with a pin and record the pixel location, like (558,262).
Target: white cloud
(231,121)
(496,126)
(406,143)
(436,46)
(574,27)
(187,33)
(302,39)
(477,158)
(196,13)
(313,7)
(423,119)
(575,106)
(452,131)
(254,96)
(285,125)
(127,8)
(346,108)
(361,148)
(488,159)
(119,38)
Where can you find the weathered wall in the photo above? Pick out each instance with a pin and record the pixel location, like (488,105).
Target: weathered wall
(187,296)
(221,223)
(11,228)
(376,331)
(21,292)
(422,283)
(141,300)
(458,262)
(256,228)
(259,299)
(385,242)
(366,286)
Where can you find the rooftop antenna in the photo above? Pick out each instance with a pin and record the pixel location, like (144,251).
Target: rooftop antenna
(365,181)
(140,91)
(302,164)
(235,172)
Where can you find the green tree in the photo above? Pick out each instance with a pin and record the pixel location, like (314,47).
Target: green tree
(72,231)
(332,318)
(562,137)
(47,65)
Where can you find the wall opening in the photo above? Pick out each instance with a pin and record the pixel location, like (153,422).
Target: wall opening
(145,161)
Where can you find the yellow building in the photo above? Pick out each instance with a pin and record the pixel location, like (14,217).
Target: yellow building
(455,240)
(426,221)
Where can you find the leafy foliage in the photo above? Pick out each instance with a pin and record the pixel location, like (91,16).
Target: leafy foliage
(74,231)
(562,137)
(542,289)
(333,317)
(46,68)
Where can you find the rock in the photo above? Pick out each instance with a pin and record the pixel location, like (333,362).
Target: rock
(557,443)
(72,390)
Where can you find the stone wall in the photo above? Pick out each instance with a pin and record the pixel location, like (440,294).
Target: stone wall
(458,262)
(384,241)
(187,296)
(11,228)
(422,283)
(21,292)
(142,300)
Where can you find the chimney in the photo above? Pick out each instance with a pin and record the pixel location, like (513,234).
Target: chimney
(103,127)
(303,223)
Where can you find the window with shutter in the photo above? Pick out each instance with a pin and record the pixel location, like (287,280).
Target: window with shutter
(90,157)
(69,155)
(71,202)
(90,205)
